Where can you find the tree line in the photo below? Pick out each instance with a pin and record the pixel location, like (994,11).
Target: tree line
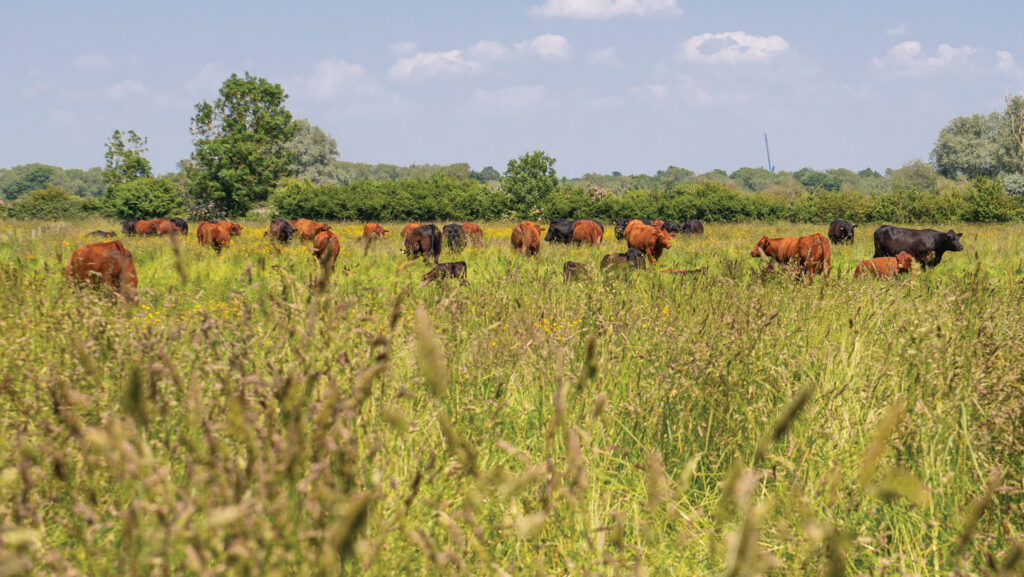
(250,153)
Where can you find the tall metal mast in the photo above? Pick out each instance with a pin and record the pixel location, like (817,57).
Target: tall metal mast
(769,152)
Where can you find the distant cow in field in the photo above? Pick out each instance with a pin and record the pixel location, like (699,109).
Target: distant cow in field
(622,223)
(455,237)
(147,227)
(560,231)
(424,240)
(181,223)
(587,231)
(166,227)
(632,257)
(647,239)
(692,226)
(813,253)
(573,271)
(128,227)
(841,231)
(326,248)
(407,230)
(373,231)
(281,230)
(445,270)
(474,232)
(214,235)
(926,245)
(526,238)
(105,263)
(308,229)
(886,266)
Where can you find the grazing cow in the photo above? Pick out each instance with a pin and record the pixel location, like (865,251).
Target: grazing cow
(129,225)
(622,223)
(445,270)
(214,235)
(105,263)
(886,266)
(692,226)
(373,231)
(587,231)
(281,230)
(813,253)
(841,231)
(573,271)
(408,229)
(632,257)
(526,238)
(166,227)
(424,240)
(651,241)
(926,245)
(147,227)
(560,231)
(474,232)
(670,226)
(102,233)
(683,271)
(455,237)
(308,229)
(326,248)
(229,227)
(181,224)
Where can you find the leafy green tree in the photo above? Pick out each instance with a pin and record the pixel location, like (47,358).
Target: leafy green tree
(488,174)
(142,198)
(528,180)
(24,179)
(50,203)
(125,158)
(315,153)
(915,175)
(241,144)
(990,203)
(969,147)
(814,180)
(1013,132)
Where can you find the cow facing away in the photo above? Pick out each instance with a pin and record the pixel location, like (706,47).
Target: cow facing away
(526,238)
(105,263)
(454,237)
(587,231)
(424,240)
(445,270)
(308,229)
(926,245)
(886,266)
(841,231)
(326,249)
(813,253)
(281,230)
(407,230)
(647,239)
(560,231)
(692,226)
(474,232)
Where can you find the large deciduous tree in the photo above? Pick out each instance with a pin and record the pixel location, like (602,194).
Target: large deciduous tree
(241,144)
(125,158)
(316,154)
(968,147)
(528,180)
(1014,119)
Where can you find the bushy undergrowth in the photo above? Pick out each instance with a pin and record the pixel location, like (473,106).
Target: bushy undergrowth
(240,420)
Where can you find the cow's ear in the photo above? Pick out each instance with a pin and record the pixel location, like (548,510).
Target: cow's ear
(959,234)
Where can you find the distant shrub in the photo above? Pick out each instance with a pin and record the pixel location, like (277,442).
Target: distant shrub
(990,203)
(1013,184)
(142,198)
(50,203)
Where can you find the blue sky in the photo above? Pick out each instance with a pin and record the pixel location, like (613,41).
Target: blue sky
(601,85)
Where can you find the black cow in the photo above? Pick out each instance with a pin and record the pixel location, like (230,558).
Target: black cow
(841,231)
(926,245)
(560,230)
(693,226)
(129,225)
(446,270)
(573,271)
(180,223)
(620,225)
(455,236)
(102,233)
(634,257)
(281,230)
(424,240)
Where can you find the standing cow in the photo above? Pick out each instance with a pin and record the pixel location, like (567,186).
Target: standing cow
(813,252)
(622,223)
(526,238)
(587,231)
(841,231)
(474,232)
(560,231)
(454,237)
(926,245)
(281,230)
(424,240)
(647,239)
(326,249)
(105,263)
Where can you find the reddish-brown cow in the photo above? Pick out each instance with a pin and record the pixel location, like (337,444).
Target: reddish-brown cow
(166,227)
(307,229)
(587,231)
(372,231)
(326,248)
(813,253)
(647,239)
(474,232)
(214,235)
(886,266)
(526,238)
(105,263)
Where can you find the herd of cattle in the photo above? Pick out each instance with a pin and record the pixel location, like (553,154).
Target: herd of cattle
(111,264)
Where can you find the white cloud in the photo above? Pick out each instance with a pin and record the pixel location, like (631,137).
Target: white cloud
(487,50)
(603,56)
(512,98)
(1005,61)
(655,91)
(908,59)
(731,48)
(208,80)
(546,46)
(403,48)
(432,64)
(92,62)
(897,30)
(125,88)
(61,118)
(330,77)
(603,9)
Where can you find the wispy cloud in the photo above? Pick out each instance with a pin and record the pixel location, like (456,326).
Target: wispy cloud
(731,48)
(550,47)
(603,56)
(433,64)
(898,30)
(92,62)
(603,9)
(125,88)
(1005,61)
(908,59)
(403,48)
(512,98)
(487,50)
(333,77)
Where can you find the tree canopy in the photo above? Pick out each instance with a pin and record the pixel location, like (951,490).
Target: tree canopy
(528,180)
(125,160)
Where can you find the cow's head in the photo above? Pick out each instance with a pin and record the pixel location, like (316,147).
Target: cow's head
(904,262)
(662,238)
(761,248)
(952,241)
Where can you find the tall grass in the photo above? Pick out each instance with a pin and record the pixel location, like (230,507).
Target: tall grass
(241,421)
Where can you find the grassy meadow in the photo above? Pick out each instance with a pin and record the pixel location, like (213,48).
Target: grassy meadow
(244,419)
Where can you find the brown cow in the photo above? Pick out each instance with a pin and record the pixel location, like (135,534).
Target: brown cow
(813,252)
(229,227)
(886,266)
(409,228)
(166,227)
(106,263)
(214,235)
(526,237)
(587,231)
(308,229)
(647,239)
(326,248)
(474,232)
(373,231)
(148,227)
